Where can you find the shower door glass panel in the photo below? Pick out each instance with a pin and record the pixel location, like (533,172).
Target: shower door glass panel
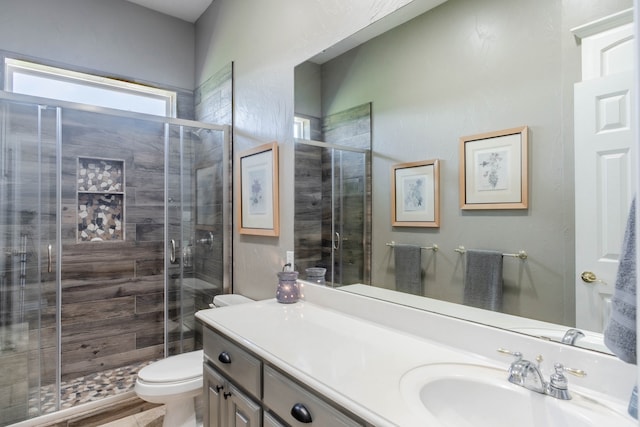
(348,216)
(195,264)
(28,292)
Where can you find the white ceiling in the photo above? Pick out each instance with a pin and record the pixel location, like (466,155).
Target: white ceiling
(187,10)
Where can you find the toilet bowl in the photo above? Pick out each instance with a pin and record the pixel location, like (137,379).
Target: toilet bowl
(174,382)
(177,380)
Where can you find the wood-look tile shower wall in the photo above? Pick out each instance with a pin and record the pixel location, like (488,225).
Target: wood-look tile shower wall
(113,292)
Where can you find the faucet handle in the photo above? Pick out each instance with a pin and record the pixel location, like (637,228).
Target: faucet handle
(539,360)
(560,369)
(573,371)
(558,383)
(515,354)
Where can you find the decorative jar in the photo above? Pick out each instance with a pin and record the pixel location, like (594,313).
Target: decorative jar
(316,275)
(287,291)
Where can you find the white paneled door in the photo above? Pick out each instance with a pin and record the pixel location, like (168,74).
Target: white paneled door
(605,161)
(604,171)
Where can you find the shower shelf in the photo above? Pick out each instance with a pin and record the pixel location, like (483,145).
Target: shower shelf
(100,195)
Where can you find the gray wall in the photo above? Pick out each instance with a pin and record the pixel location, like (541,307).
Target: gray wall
(308,93)
(115,37)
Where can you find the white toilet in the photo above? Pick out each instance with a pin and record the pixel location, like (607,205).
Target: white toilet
(177,380)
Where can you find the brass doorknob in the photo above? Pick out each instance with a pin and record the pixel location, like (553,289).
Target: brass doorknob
(588,277)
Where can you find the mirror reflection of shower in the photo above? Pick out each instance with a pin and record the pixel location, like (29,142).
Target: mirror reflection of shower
(332,228)
(332,220)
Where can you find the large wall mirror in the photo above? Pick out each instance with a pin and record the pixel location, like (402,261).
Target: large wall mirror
(466,67)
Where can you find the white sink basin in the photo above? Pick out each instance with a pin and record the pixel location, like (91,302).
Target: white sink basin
(464,395)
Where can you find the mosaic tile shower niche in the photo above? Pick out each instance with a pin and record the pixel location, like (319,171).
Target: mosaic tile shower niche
(100,199)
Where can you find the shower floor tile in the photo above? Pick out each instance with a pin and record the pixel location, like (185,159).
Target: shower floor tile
(87,388)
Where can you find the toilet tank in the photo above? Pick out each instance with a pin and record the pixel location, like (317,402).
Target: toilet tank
(229,299)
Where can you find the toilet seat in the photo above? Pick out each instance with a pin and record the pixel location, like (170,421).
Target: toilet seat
(181,367)
(179,375)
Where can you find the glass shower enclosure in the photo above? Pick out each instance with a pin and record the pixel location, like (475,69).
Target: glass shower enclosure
(113,233)
(332,214)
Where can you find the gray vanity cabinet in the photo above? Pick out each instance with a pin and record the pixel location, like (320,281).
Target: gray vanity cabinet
(284,397)
(225,405)
(214,386)
(242,390)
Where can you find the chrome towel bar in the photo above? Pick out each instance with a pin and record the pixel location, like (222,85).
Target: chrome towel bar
(433,247)
(521,254)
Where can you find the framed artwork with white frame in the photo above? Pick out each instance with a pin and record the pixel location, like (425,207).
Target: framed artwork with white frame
(494,170)
(415,194)
(257,178)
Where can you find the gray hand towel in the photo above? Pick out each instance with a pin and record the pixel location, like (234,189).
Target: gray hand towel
(408,269)
(483,279)
(620,334)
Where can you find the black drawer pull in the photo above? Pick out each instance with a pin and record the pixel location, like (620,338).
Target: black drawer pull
(301,413)
(224,357)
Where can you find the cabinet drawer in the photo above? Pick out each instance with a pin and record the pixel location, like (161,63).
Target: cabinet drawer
(241,367)
(282,394)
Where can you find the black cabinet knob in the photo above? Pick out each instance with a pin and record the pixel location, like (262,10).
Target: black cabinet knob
(301,413)
(224,357)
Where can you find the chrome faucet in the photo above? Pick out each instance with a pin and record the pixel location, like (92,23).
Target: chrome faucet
(527,374)
(571,336)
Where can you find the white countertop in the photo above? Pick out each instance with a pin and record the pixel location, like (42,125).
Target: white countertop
(354,362)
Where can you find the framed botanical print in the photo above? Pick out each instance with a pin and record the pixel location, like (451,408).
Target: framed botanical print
(493,170)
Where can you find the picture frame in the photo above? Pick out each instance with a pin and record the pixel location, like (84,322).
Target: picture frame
(494,170)
(257,178)
(415,194)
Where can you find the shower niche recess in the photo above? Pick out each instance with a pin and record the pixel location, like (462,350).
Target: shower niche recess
(101,195)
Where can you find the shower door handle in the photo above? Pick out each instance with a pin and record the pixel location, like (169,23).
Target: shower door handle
(49,260)
(172,252)
(336,241)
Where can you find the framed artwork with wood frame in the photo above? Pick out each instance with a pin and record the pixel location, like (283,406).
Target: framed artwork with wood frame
(415,194)
(494,170)
(257,178)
